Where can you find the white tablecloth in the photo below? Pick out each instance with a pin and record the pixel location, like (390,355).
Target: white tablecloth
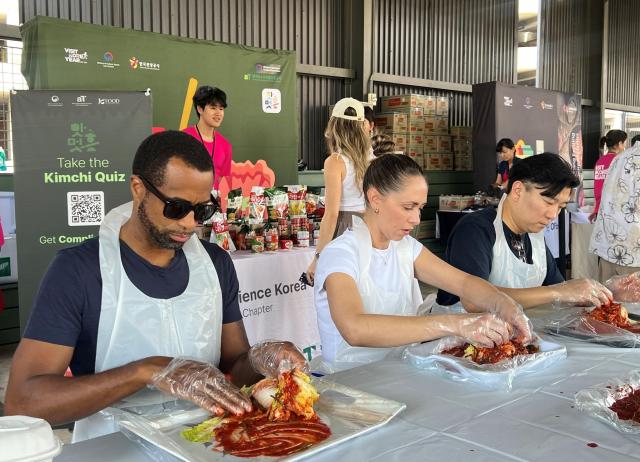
(451,421)
(273,303)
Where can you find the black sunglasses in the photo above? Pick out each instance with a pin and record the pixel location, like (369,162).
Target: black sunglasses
(175,209)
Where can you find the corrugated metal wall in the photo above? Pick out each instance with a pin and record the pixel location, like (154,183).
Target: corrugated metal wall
(623,58)
(460,41)
(311,27)
(568,53)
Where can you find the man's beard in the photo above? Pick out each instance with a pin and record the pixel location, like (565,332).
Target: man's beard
(161,238)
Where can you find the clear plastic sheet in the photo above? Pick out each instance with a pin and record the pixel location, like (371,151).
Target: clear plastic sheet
(575,324)
(500,376)
(348,413)
(597,399)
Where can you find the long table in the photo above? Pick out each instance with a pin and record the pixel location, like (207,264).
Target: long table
(447,420)
(273,302)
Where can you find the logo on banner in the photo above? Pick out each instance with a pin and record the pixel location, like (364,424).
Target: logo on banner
(108,100)
(76,56)
(268,68)
(271,100)
(265,73)
(135,63)
(527,103)
(508,101)
(82,138)
(108,61)
(81,101)
(546,106)
(55,101)
(523,150)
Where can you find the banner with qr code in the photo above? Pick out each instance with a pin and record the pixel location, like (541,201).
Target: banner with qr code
(73,153)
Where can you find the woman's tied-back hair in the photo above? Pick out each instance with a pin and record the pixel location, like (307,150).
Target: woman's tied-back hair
(388,172)
(382,144)
(348,137)
(612,138)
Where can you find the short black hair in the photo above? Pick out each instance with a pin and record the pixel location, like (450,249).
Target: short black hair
(368,114)
(156,150)
(505,143)
(205,95)
(387,172)
(547,171)
(634,139)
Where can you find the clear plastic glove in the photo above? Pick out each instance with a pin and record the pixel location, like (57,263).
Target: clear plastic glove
(202,384)
(580,292)
(510,311)
(625,288)
(484,330)
(272,357)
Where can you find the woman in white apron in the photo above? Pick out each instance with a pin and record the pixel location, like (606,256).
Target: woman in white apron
(364,293)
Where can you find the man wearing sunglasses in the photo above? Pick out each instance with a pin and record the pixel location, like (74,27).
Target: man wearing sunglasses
(146,304)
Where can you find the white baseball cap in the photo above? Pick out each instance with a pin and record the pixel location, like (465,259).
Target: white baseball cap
(346,103)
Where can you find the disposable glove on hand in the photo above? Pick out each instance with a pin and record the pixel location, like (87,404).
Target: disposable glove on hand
(269,358)
(625,288)
(512,313)
(484,330)
(202,384)
(580,292)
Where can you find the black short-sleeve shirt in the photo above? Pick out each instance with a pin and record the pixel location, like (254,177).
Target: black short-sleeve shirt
(67,307)
(470,249)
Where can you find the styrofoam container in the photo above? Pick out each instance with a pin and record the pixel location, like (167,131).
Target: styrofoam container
(27,439)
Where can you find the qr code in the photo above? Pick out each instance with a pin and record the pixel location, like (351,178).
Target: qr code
(85,208)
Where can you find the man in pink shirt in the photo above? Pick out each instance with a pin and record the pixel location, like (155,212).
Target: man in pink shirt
(613,142)
(209,104)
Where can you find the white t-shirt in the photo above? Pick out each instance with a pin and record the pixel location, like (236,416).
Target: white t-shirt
(341,256)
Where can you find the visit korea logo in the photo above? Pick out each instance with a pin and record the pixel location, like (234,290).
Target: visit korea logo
(74,55)
(135,63)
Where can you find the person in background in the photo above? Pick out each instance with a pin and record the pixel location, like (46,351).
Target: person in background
(145,304)
(349,146)
(634,140)
(506,246)
(382,144)
(616,233)
(613,142)
(210,104)
(370,124)
(364,284)
(507,150)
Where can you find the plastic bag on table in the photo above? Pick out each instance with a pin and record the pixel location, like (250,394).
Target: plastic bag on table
(428,356)
(598,399)
(574,323)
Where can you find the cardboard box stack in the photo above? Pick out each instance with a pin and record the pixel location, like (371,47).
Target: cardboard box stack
(462,154)
(437,142)
(402,118)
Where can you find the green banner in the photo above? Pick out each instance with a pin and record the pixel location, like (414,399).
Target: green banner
(260,122)
(74,151)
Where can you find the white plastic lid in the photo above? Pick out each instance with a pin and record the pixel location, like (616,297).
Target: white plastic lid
(27,439)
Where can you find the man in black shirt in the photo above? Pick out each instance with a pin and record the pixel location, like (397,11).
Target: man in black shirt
(145,304)
(507,248)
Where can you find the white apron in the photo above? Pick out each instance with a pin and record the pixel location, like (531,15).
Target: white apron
(507,270)
(403,301)
(134,326)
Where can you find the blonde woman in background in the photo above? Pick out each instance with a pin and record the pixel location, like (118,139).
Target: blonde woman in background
(349,149)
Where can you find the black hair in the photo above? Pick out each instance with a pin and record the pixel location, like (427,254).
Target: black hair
(612,138)
(368,114)
(634,139)
(547,171)
(505,143)
(387,172)
(156,150)
(206,95)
